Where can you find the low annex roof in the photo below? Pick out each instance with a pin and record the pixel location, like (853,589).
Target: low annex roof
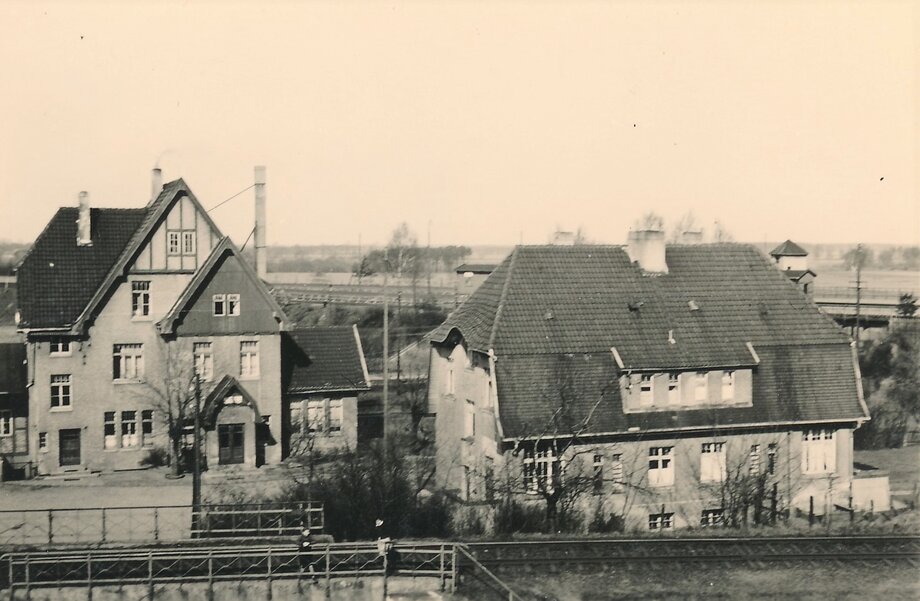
(579,304)
(322,359)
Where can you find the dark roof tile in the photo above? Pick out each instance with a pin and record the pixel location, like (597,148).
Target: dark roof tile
(321,359)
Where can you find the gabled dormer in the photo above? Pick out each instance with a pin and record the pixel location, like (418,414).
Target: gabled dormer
(224,297)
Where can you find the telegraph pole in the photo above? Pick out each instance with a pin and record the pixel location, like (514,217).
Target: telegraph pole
(859,262)
(196,468)
(386,345)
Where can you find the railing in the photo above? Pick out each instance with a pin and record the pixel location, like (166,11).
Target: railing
(149,567)
(481,574)
(165,523)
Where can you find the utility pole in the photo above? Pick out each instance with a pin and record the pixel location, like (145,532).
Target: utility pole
(196,468)
(386,345)
(428,260)
(859,262)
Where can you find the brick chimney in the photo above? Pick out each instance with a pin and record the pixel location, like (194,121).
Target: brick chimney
(156,183)
(646,247)
(84,224)
(259,237)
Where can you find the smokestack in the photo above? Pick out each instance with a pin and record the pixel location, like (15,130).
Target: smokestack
(156,183)
(84,226)
(646,247)
(259,238)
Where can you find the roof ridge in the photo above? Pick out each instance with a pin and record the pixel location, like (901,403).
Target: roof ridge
(504,296)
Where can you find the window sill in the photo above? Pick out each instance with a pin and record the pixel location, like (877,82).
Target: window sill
(67,409)
(60,355)
(123,381)
(249,378)
(142,318)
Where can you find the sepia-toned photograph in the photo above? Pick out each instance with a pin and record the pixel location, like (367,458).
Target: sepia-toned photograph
(460,300)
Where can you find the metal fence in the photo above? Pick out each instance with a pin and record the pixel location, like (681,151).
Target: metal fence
(165,523)
(149,567)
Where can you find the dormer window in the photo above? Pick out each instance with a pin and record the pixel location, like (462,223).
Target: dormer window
(646,391)
(728,385)
(59,347)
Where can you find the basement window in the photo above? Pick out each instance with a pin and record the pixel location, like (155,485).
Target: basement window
(660,521)
(711,518)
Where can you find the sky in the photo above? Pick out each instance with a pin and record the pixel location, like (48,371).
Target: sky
(474,122)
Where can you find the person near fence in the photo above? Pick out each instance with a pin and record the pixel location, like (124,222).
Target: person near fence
(308,559)
(386,548)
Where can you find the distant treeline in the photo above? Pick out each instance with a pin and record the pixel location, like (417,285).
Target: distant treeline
(407,260)
(890,257)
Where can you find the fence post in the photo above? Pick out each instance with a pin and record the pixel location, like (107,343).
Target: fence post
(454,570)
(210,575)
(441,574)
(268,574)
(50,526)
(150,574)
(89,576)
(259,520)
(156,523)
(103,524)
(328,574)
(385,570)
(27,582)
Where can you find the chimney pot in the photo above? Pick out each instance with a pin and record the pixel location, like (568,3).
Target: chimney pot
(84,226)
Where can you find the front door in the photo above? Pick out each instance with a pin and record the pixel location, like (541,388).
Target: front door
(69,447)
(230,441)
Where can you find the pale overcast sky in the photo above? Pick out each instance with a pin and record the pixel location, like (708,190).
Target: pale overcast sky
(493,121)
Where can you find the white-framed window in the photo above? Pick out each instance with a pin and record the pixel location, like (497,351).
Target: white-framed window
(43,442)
(646,390)
(597,474)
(469,420)
(661,466)
(188,242)
(335,415)
(128,362)
(233,305)
(674,388)
(819,451)
(616,472)
(754,460)
(180,242)
(140,299)
(147,427)
(204,360)
(129,437)
(59,347)
(316,415)
(6,422)
(660,521)
(728,385)
(61,392)
(172,243)
(712,462)
(249,359)
(540,470)
(701,387)
(109,437)
(712,517)
(219,305)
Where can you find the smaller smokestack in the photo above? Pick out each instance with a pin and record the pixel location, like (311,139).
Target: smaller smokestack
(646,247)
(156,183)
(84,226)
(259,237)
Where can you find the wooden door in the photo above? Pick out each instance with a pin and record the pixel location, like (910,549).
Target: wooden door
(231,443)
(69,447)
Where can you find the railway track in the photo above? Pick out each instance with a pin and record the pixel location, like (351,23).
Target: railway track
(559,554)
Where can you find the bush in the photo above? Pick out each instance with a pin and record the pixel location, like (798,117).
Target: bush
(511,518)
(431,517)
(603,523)
(156,457)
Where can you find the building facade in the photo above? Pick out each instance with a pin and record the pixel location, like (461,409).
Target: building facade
(121,309)
(661,387)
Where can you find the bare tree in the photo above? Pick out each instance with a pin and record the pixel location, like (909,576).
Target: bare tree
(687,223)
(172,395)
(650,221)
(720,233)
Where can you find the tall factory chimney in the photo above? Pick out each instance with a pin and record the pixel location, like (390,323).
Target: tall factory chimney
(84,224)
(259,238)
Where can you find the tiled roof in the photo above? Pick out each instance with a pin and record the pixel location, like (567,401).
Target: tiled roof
(57,278)
(322,359)
(788,249)
(546,304)
(480,268)
(793,384)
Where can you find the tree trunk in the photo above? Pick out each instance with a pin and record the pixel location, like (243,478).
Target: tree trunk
(175,469)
